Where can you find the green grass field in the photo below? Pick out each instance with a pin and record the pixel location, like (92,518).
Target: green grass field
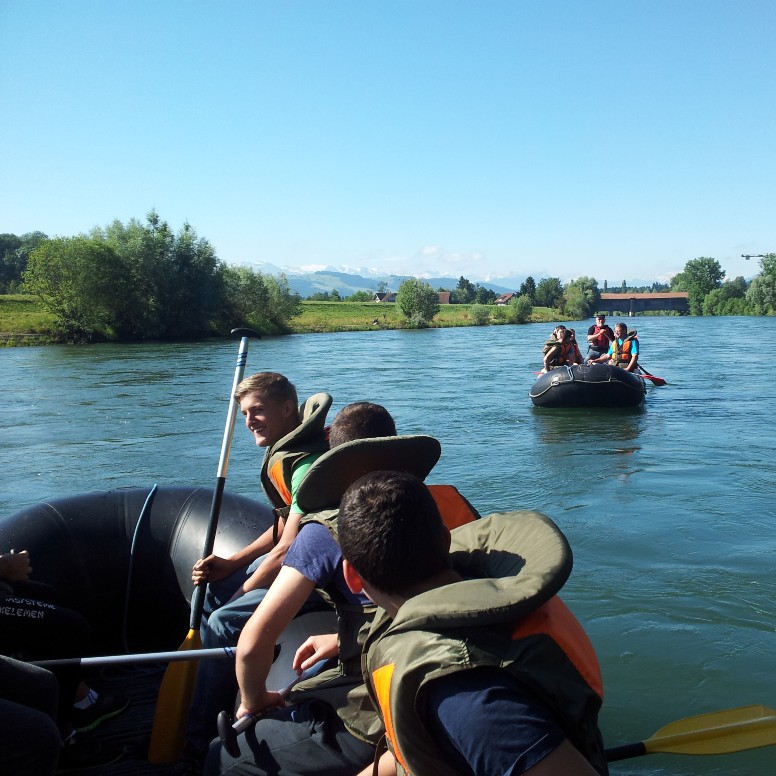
(23,320)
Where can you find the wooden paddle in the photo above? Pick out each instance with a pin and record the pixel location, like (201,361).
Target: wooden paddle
(172,705)
(655,380)
(720,732)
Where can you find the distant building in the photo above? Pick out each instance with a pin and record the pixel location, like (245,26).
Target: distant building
(505,298)
(444,297)
(384,296)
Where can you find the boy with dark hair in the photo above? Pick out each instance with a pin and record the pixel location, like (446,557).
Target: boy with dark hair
(475,664)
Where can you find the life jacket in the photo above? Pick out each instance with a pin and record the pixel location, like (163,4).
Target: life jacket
(319,495)
(562,356)
(621,352)
(601,342)
(281,458)
(505,614)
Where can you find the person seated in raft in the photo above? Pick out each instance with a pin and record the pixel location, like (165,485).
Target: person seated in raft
(576,353)
(558,350)
(623,350)
(330,725)
(38,622)
(216,691)
(599,336)
(474,665)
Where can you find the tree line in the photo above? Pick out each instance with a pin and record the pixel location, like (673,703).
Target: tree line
(140,281)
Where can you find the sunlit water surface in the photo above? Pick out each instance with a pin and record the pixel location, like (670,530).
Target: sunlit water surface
(669,508)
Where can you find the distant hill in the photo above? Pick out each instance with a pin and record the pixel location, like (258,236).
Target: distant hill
(347,283)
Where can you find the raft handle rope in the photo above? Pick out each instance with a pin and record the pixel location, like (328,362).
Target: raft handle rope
(143,512)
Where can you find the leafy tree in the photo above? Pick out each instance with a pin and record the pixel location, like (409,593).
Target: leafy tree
(698,278)
(465,291)
(528,288)
(177,280)
(82,282)
(335,296)
(14,254)
(360,296)
(256,300)
(624,288)
(548,292)
(728,299)
(519,309)
(319,296)
(418,302)
(581,297)
(485,295)
(761,294)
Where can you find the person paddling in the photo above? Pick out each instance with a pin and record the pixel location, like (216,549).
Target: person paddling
(599,336)
(623,350)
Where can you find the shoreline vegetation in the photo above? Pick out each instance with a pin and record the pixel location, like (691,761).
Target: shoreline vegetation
(25,321)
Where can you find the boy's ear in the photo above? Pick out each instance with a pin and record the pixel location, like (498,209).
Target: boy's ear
(352,578)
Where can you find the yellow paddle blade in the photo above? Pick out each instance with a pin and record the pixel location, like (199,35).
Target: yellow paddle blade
(172,705)
(719,732)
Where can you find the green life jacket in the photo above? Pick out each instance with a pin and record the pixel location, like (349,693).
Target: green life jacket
(505,614)
(318,497)
(281,458)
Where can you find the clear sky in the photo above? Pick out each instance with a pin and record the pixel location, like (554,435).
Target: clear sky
(610,138)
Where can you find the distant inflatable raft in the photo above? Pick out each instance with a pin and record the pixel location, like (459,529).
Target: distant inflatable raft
(588,385)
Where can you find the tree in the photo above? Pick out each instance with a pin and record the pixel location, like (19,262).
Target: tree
(548,292)
(14,254)
(480,314)
(581,297)
(418,302)
(484,295)
(81,281)
(465,292)
(360,296)
(698,278)
(528,288)
(520,308)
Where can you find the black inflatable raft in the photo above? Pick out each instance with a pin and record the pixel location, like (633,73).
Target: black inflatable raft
(126,555)
(588,385)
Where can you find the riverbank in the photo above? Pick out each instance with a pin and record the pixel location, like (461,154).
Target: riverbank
(24,321)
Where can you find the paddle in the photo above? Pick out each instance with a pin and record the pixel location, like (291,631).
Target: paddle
(719,732)
(655,380)
(138,657)
(228,730)
(177,686)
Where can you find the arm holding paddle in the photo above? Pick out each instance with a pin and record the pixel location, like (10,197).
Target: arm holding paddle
(255,649)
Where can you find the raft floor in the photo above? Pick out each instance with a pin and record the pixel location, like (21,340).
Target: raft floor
(132,728)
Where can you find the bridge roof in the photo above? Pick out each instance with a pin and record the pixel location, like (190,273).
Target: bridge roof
(671,295)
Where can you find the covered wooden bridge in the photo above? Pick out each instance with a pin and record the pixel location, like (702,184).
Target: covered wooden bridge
(632,304)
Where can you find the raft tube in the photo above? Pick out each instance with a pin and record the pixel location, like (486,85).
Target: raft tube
(124,557)
(588,385)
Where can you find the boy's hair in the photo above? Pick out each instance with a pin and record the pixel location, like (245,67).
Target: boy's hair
(361,420)
(390,530)
(271,385)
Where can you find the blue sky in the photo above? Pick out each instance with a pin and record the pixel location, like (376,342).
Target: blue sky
(613,139)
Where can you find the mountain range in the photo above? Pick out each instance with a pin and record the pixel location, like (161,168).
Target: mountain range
(328,279)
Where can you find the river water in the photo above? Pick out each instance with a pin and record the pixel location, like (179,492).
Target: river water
(669,508)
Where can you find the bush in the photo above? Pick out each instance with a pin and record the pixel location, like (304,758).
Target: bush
(480,314)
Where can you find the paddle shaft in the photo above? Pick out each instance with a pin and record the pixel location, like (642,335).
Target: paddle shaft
(198,598)
(138,657)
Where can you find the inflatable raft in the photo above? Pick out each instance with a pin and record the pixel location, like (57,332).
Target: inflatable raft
(588,385)
(126,555)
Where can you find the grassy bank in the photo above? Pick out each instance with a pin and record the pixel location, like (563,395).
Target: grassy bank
(23,320)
